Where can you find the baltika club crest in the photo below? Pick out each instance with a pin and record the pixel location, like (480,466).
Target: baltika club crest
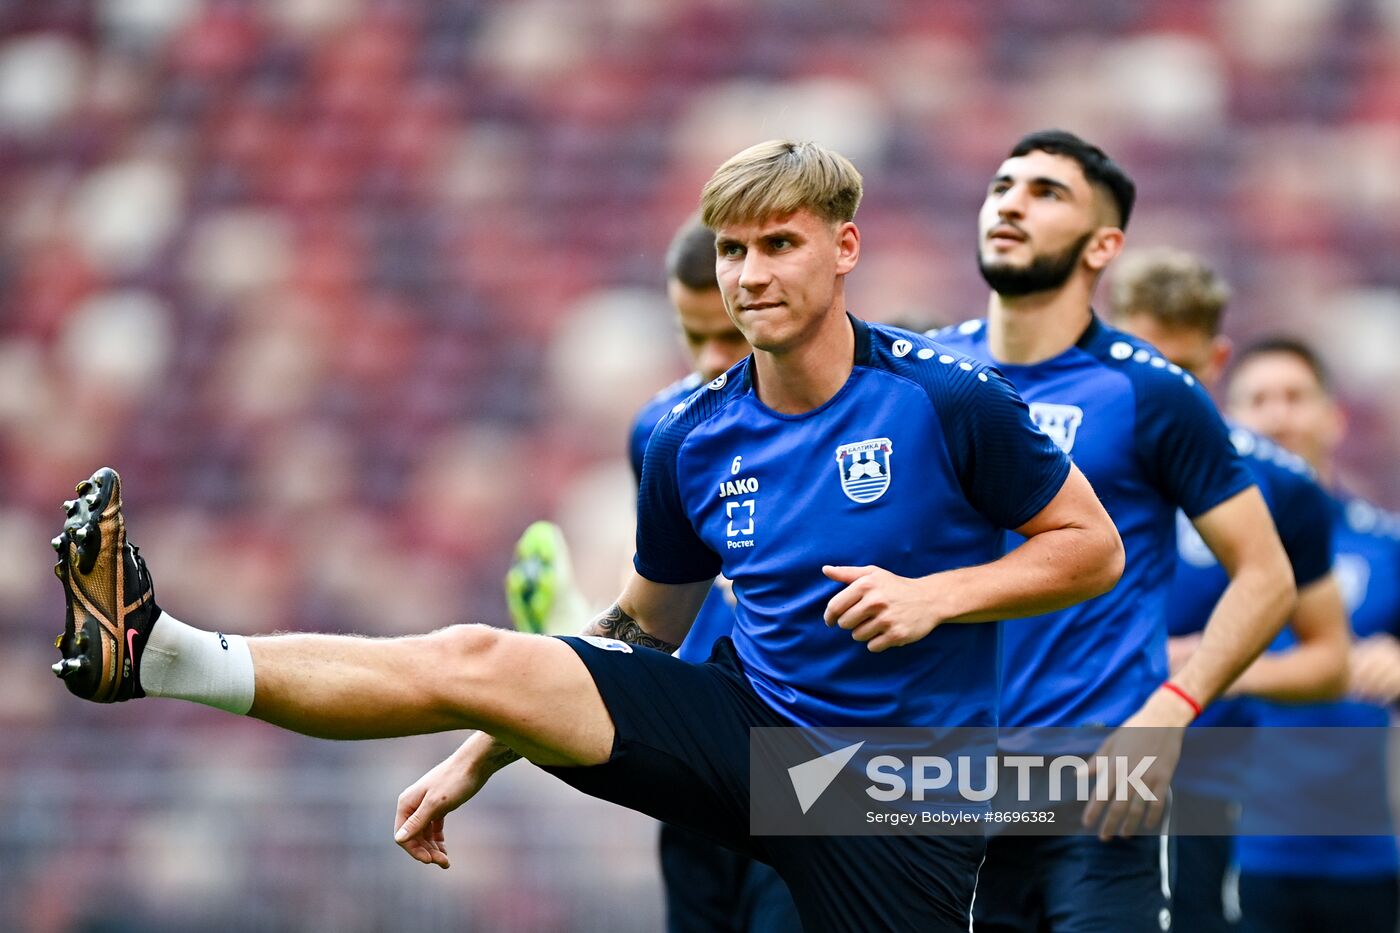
(865,468)
(1060,422)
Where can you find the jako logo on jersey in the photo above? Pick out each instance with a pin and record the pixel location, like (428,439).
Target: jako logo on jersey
(1061,422)
(738,487)
(864,468)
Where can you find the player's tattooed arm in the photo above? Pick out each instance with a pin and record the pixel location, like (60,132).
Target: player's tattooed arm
(614,622)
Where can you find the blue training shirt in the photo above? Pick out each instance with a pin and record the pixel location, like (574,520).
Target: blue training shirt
(915,465)
(1367,566)
(716,617)
(1150,441)
(1302,513)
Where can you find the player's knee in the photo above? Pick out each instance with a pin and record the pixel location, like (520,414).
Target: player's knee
(466,650)
(468,659)
(479,673)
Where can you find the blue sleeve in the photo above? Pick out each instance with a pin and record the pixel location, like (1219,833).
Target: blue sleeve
(1183,446)
(1304,521)
(1008,468)
(642,426)
(668,548)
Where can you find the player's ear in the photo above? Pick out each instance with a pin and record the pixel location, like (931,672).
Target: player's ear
(847,247)
(1103,247)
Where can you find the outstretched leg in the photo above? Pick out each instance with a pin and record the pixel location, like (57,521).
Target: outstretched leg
(531,692)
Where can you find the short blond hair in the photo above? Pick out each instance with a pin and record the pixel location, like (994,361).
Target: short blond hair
(779,177)
(1173,287)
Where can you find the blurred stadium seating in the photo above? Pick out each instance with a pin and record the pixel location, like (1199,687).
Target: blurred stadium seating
(352,291)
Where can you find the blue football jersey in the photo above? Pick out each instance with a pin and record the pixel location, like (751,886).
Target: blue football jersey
(1302,513)
(916,465)
(716,617)
(1150,441)
(1367,566)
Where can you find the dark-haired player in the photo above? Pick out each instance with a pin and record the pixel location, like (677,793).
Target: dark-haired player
(1175,301)
(1280,388)
(1151,442)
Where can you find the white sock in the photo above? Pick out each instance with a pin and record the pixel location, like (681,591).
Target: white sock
(186,663)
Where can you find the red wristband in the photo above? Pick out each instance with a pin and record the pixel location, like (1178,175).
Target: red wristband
(1195,707)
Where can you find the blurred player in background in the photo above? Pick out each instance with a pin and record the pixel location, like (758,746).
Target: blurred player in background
(1175,302)
(1280,388)
(708,887)
(1151,442)
(842,602)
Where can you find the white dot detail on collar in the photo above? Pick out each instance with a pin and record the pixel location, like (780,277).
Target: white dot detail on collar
(945,359)
(1362,516)
(1121,350)
(925,354)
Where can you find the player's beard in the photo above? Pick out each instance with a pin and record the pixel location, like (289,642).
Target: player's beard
(1046,271)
